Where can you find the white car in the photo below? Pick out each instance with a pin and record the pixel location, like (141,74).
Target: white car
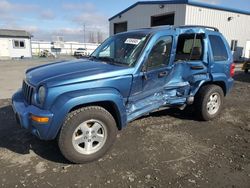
(80,52)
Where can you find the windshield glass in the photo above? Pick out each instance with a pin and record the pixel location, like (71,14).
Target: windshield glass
(121,49)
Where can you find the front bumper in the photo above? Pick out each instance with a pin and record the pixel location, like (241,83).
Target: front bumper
(23,113)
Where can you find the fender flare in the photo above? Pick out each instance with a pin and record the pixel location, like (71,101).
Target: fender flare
(215,79)
(67,101)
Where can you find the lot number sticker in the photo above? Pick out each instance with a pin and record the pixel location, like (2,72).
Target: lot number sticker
(132,41)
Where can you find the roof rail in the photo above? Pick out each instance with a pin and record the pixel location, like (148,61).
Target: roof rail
(205,27)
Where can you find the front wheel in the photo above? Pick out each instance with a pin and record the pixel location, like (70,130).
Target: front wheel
(87,134)
(209,102)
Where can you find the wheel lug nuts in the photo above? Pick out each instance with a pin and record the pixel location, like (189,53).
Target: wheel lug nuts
(89,140)
(87,132)
(92,132)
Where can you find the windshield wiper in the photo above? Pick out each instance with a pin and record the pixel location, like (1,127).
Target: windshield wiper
(93,57)
(108,60)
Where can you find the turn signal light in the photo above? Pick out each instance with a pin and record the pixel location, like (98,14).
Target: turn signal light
(40,119)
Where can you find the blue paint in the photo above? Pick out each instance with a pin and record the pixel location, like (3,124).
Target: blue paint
(188,2)
(131,89)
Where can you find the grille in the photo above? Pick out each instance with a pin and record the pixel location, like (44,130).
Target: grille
(27,92)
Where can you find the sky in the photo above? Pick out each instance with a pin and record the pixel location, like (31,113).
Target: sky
(46,19)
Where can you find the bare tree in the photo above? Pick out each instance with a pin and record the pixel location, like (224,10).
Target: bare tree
(99,37)
(91,37)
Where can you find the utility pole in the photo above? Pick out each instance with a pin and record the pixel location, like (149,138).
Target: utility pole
(84,30)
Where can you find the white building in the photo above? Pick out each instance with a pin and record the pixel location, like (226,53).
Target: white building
(15,44)
(233,23)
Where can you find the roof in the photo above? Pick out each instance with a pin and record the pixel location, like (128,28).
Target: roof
(14,33)
(188,2)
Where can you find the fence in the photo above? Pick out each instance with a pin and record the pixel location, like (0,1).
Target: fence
(66,48)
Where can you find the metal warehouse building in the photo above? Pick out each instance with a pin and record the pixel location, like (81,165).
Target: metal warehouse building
(233,23)
(15,44)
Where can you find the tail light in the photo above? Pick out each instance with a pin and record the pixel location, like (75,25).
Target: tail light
(232,69)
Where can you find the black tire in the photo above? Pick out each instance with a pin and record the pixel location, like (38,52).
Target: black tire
(202,99)
(246,70)
(73,120)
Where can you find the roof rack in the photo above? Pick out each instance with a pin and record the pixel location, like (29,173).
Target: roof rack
(155,27)
(205,27)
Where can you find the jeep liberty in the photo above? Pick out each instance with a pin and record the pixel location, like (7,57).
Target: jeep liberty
(83,103)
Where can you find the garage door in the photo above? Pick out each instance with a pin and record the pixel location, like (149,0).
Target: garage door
(120,27)
(4,46)
(162,20)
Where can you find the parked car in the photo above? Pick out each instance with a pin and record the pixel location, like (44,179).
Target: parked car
(246,66)
(83,103)
(80,52)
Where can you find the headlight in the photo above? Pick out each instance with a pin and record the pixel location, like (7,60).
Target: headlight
(41,94)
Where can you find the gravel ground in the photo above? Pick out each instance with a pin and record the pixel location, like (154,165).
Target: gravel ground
(12,72)
(169,148)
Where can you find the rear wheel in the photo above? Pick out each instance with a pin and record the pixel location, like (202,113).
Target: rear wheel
(209,102)
(246,70)
(87,134)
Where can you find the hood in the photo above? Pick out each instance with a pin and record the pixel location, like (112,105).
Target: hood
(73,71)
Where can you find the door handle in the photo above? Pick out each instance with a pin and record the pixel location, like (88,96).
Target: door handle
(162,74)
(197,67)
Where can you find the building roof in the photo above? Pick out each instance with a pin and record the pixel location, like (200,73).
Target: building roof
(14,33)
(188,2)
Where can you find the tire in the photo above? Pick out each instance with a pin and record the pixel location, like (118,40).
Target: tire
(246,70)
(87,134)
(206,104)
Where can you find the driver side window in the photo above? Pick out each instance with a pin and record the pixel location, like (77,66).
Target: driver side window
(160,53)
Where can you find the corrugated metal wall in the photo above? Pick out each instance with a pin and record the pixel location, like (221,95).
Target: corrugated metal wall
(140,16)
(247,51)
(238,28)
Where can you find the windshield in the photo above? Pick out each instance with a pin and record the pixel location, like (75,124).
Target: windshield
(123,49)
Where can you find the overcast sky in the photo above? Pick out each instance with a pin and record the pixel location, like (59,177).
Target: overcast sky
(47,18)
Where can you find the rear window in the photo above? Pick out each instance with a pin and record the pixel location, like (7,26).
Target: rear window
(218,48)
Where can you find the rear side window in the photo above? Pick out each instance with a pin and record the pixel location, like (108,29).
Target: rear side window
(189,47)
(218,48)
(189,43)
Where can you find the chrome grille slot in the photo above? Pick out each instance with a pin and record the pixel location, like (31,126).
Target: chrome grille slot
(27,92)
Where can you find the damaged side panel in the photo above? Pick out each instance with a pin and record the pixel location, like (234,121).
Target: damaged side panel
(183,79)
(174,91)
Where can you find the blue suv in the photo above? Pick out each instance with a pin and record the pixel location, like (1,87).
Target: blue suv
(83,103)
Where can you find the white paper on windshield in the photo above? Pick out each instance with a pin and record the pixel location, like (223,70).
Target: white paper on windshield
(132,41)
